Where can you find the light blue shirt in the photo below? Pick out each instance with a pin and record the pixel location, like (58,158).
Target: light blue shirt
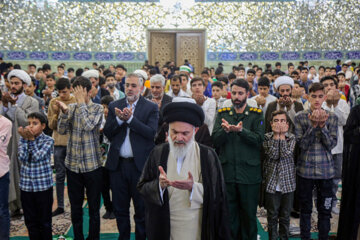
(126,149)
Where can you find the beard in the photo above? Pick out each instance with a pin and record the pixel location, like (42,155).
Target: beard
(18,91)
(133,98)
(238,104)
(180,151)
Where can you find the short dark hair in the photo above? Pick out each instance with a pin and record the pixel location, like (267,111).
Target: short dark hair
(120,66)
(62,83)
(264,81)
(290,64)
(78,72)
(106,100)
(32,65)
(101,81)
(71,70)
(344,65)
(297,82)
(278,72)
(279,112)
(316,87)
(205,72)
(197,79)
(177,77)
(338,61)
(341,73)
(240,83)
(95,63)
(84,82)
(60,66)
(251,71)
(278,64)
(217,84)
(231,76)
(109,75)
(242,68)
(38,115)
(303,68)
(329,78)
(33,80)
(225,80)
(311,67)
(219,71)
(152,71)
(46,67)
(50,76)
(294,73)
(321,67)
(17,66)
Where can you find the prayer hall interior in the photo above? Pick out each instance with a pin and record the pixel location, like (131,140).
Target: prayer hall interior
(259,41)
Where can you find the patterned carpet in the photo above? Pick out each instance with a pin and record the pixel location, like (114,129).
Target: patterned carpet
(62,224)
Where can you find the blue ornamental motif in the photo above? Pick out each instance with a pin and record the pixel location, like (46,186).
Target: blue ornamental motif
(353,55)
(333,55)
(125,56)
(227,56)
(1,55)
(16,55)
(103,56)
(312,55)
(60,56)
(141,56)
(248,56)
(211,56)
(39,55)
(290,56)
(269,56)
(82,56)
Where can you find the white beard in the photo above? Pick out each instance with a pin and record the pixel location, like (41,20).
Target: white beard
(180,151)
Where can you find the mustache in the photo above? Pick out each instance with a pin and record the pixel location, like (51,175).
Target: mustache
(180,142)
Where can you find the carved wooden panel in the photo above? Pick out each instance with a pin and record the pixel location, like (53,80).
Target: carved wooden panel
(191,46)
(162,47)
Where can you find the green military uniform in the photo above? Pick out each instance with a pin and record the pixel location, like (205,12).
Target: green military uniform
(239,153)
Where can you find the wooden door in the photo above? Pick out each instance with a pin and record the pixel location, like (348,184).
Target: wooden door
(162,47)
(191,46)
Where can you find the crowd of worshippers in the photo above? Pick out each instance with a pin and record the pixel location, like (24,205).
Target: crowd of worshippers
(196,154)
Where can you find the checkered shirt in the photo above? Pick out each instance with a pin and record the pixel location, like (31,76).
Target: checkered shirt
(82,122)
(315,161)
(35,158)
(279,163)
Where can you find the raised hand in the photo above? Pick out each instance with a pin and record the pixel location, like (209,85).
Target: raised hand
(80,94)
(225,125)
(323,116)
(164,182)
(64,108)
(184,184)
(314,118)
(260,100)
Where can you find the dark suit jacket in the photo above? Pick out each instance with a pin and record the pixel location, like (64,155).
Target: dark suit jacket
(165,100)
(143,127)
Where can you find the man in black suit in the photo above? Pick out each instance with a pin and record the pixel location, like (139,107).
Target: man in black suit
(131,126)
(157,86)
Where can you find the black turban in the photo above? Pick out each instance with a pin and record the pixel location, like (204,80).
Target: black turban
(184,112)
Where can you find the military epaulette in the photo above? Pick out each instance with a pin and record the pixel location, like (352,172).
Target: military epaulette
(225,109)
(257,110)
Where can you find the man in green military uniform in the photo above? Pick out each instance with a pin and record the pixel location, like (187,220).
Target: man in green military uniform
(238,134)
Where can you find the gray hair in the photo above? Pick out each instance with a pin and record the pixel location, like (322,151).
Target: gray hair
(157,78)
(140,79)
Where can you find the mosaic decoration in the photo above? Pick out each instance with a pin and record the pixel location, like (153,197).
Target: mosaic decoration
(111,27)
(211,56)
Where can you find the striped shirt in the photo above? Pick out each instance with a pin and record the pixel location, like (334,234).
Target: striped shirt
(279,163)
(82,122)
(315,161)
(35,158)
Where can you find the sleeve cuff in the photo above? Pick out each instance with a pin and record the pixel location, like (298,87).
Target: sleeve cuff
(130,119)
(161,193)
(120,122)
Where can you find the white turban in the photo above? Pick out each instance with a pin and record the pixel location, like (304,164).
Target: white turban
(284,80)
(21,74)
(91,74)
(141,74)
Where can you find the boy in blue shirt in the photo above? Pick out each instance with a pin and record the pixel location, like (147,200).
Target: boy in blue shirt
(35,149)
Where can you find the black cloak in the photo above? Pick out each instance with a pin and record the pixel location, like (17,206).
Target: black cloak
(349,219)
(215,211)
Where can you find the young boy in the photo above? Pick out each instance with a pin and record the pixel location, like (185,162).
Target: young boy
(64,89)
(316,134)
(5,135)
(83,162)
(264,98)
(35,149)
(105,144)
(49,92)
(30,91)
(217,90)
(280,175)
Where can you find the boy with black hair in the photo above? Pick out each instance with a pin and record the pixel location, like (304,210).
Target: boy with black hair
(264,98)
(316,133)
(30,91)
(35,149)
(83,162)
(280,175)
(208,81)
(105,144)
(217,91)
(250,78)
(63,86)
(50,91)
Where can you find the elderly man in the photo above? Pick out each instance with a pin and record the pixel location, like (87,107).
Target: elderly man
(16,107)
(96,92)
(182,182)
(157,85)
(130,127)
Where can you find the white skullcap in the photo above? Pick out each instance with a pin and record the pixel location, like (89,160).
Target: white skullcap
(347,61)
(21,74)
(91,74)
(284,80)
(142,74)
(183,99)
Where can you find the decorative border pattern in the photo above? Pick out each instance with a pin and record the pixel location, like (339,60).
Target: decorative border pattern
(282,56)
(211,56)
